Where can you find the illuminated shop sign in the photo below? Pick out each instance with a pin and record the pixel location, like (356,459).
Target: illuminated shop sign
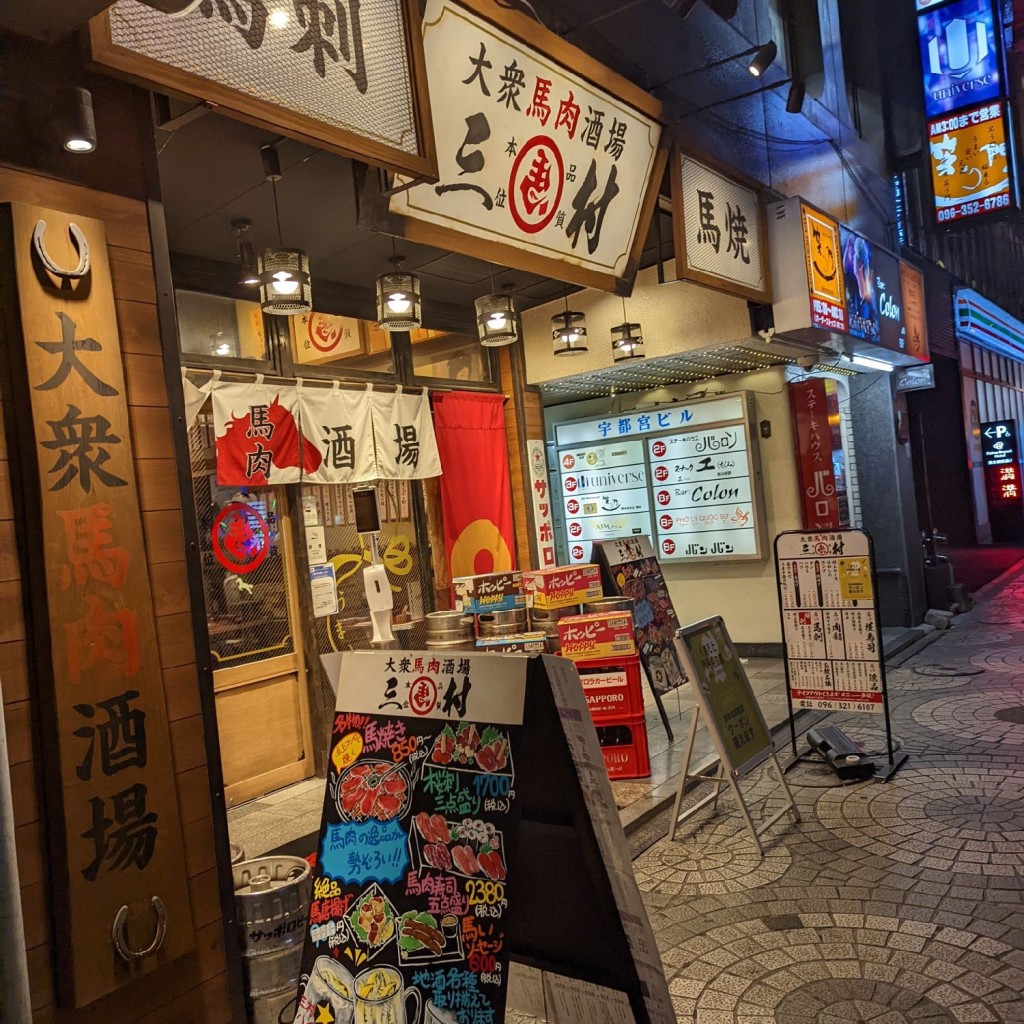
(1002,470)
(874,296)
(959,55)
(971,163)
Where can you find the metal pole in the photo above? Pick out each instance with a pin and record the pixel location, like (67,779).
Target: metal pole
(15,1003)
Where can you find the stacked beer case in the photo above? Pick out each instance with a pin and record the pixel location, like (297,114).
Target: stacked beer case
(603,647)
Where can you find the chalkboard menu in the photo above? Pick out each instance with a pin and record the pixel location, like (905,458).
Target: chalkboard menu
(411,886)
(632,570)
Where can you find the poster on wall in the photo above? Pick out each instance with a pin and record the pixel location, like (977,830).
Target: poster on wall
(411,886)
(830,623)
(540,167)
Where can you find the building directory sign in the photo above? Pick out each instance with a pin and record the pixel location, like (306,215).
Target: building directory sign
(830,624)
(685,475)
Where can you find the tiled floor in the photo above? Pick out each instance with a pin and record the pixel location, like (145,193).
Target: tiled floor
(278,818)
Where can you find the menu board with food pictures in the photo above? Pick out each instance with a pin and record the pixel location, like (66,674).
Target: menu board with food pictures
(633,571)
(411,887)
(830,621)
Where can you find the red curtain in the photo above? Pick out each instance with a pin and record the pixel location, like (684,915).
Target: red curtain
(476,500)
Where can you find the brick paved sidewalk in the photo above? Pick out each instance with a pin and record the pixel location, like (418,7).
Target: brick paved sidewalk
(889,904)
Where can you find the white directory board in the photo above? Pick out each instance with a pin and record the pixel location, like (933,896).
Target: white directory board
(686,475)
(830,621)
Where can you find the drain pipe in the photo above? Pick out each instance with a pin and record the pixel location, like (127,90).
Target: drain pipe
(15,1004)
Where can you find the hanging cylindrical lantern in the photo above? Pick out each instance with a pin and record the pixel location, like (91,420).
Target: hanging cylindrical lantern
(627,342)
(569,333)
(496,320)
(398,300)
(284,282)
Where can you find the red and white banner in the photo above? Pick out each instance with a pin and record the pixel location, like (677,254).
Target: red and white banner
(403,434)
(814,442)
(258,439)
(337,423)
(475,495)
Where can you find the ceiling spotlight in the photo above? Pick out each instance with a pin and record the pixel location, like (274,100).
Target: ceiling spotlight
(80,131)
(763,58)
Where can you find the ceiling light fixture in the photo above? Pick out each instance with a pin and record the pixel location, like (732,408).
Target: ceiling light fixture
(80,130)
(569,332)
(627,339)
(496,321)
(245,253)
(870,363)
(399,307)
(283,273)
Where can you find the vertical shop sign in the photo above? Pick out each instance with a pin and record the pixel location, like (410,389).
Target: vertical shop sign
(337,422)
(830,620)
(258,439)
(116,844)
(720,239)
(403,436)
(813,438)
(823,255)
(475,494)
(1001,459)
(914,312)
(541,168)
(541,494)
(411,887)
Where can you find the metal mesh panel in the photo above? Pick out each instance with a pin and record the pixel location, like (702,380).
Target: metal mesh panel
(247,604)
(340,62)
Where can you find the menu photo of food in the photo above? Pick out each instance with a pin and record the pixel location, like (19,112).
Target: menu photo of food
(375,790)
(470,848)
(423,938)
(371,922)
(466,747)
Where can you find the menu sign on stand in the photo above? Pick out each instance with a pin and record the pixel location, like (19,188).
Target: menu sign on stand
(830,628)
(466,800)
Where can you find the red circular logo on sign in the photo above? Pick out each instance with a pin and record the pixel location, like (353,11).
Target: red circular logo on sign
(325,332)
(572,506)
(659,448)
(570,483)
(661,473)
(577,551)
(423,695)
(668,546)
(666,522)
(535,184)
(241,538)
(568,461)
(664,497)
(575,529)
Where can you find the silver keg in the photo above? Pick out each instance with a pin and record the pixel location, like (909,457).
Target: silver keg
(448,629)
(502,623)
(609,604)
(237,854)
(272,899)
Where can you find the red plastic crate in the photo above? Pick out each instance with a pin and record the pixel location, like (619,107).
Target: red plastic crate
(624,745)
(612,687)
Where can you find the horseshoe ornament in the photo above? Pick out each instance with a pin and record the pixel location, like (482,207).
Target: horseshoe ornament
(80,244)
(119,933)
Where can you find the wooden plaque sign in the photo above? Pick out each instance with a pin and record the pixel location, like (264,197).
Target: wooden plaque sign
(118,877)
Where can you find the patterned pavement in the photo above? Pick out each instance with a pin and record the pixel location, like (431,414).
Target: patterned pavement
(900,903)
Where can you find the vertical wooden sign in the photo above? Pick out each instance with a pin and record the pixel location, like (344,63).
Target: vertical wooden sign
(118,886)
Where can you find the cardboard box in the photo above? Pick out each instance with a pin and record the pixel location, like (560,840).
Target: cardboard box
(519,643)
(563,586)
(491,592)
(600,635)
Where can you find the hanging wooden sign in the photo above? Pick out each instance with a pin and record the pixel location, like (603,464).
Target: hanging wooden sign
(117,870)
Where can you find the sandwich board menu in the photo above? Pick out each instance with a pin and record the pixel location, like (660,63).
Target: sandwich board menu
(829,620)
(411,885)
(502,843)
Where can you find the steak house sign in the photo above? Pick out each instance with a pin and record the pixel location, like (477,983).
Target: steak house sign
(546,169)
